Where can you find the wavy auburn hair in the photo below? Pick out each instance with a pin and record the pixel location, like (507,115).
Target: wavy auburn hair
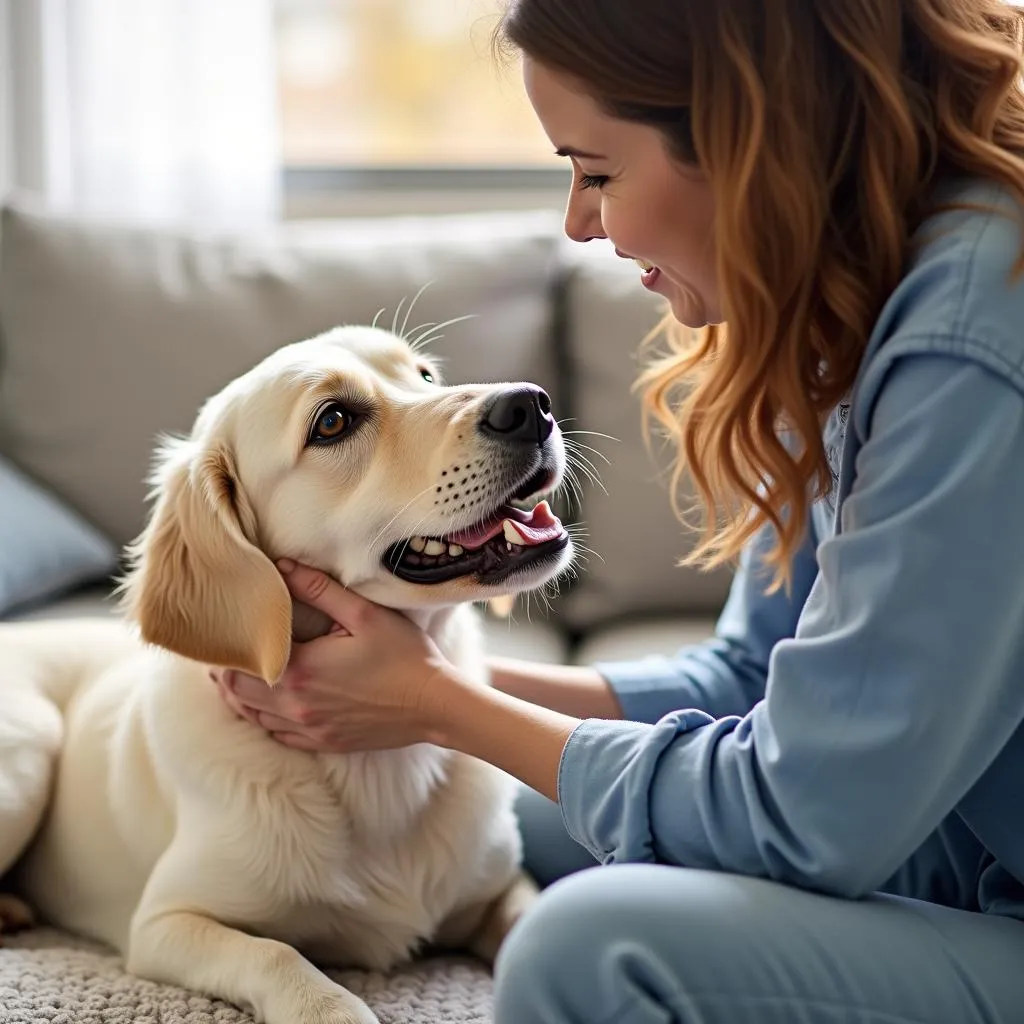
(822,126)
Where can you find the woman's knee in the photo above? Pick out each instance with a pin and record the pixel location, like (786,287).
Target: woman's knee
(596,939)
(545,952)
(632,898)
(602,933)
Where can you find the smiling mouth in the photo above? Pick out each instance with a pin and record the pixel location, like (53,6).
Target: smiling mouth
(645,265)
(505,542)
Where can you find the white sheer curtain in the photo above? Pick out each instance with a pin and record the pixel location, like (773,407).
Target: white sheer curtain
(164,110)
(6,126)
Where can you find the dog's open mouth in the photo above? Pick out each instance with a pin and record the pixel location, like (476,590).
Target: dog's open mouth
(508,540)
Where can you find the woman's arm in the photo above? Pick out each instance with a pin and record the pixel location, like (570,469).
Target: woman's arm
(569,689)
(899,693)
(900,690)
(520,737)
(723,676)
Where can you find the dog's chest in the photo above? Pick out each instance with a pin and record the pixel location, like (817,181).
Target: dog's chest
(398,860)
(384,923)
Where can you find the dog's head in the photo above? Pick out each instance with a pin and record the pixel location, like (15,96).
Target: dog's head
(345,452)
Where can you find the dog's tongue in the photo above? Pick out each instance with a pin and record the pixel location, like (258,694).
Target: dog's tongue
(535,527)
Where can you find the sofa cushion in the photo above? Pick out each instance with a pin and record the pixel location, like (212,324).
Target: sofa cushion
(113,334)
(636,639)
(85,602)
(46,548)
(527,640)
(636,539)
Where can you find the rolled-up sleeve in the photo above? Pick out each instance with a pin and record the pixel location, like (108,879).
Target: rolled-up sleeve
(899,688)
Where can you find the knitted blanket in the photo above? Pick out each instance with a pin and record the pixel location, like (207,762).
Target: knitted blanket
(49,977)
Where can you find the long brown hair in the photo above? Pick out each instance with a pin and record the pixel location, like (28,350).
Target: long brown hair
(822,126)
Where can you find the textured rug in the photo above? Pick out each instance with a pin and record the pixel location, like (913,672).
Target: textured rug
(49,977)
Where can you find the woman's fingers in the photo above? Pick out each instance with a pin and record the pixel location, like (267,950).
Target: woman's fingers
(315,588)
(222,678)
(297,741)
(275,723)
(253,692)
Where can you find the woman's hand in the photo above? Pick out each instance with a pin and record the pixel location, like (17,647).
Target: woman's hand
(367,685)
(377,681)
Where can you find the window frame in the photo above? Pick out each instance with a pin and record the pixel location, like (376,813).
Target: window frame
(321,191)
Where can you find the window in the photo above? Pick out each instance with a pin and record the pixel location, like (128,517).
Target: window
(402,86)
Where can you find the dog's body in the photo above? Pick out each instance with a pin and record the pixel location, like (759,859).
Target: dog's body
(210,855)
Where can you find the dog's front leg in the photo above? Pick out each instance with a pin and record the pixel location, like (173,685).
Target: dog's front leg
(481,928)
(501,915)
(178,936)
(267,978)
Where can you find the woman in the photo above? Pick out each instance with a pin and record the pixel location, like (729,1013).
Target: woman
(815,816)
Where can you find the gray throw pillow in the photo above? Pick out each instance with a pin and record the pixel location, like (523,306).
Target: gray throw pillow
(46,548)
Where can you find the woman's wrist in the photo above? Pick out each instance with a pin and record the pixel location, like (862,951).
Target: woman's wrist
(521,738)
(445,692)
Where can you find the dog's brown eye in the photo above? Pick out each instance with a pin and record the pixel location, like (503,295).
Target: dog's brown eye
(331,423)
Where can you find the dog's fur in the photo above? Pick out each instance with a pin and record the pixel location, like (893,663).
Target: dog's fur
(207,853)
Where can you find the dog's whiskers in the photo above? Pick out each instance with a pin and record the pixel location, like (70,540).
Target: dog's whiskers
(411,342)
(429,332)
(567,502)
(592,433)
(401,550)
(572,485)
(580,446)
(408,312)
(584,553)
(414,532)
(586,469)
(398,313)
(578,449)
(578,532)
(584,465)
(384,529)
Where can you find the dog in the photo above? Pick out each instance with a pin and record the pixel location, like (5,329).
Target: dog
(144,813)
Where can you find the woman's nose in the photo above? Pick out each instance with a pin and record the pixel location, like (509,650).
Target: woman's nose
(583,215)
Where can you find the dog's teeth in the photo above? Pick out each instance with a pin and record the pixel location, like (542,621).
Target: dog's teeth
(508,547)
(435,547)
(417,543)
(454,550)
(512,535)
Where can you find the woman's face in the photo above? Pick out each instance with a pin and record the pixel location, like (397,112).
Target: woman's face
(627,188)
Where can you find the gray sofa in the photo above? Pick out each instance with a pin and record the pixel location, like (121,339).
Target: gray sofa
(111,334)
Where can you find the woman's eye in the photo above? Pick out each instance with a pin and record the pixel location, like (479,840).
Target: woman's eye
(332,423)
(592,180)
(426,375)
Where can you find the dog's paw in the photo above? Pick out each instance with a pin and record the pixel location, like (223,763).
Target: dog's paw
(15,914)
(502,916)
(355,1011)
(320,1007)
(348,1011)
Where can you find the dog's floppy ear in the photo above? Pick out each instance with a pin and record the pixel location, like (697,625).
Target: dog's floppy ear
(197,585)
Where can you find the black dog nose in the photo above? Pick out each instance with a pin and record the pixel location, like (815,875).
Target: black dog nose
(522,413)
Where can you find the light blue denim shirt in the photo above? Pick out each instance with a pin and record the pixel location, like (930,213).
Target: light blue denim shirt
(823,737)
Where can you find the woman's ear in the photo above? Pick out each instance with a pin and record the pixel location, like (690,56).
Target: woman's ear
(197,585)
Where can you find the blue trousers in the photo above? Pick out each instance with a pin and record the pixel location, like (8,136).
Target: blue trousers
(648,944)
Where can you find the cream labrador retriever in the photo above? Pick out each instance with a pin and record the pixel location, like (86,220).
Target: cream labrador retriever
(208,854)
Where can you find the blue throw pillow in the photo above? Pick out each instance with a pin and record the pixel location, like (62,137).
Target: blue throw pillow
(45,547)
